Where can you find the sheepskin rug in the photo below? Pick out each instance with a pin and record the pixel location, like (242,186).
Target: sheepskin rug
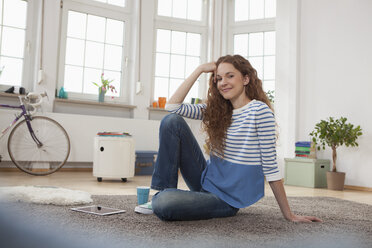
(44,195)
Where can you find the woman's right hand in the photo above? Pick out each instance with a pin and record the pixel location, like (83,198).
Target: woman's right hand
(208,67)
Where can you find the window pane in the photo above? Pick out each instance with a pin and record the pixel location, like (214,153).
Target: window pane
(15,13)
(73,78)
(241,44)
(116,77)
(76,26)
(75,52)
(193,93)
(173,86)
(13,41)
(269,85)
(165,7)
(163,40)
(241,10)
(90,76)
(194,10)
(162,65)
(161,88)
(96,28)
(12,71)
(191,64)
(256,9)
(179,8)
(120,3)
(257,63)
(269,43)
(114,32)
(99,49)
(113,57)
(255,44)
(1,12)
(177,66)
(269,67)
(270,8)
(178,42)
(193,44)
(94,54)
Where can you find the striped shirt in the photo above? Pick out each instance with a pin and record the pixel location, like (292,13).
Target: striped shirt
(249,154)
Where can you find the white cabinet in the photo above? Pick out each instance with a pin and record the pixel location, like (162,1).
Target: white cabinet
(114,157)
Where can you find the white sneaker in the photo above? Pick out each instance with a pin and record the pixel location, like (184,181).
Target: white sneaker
(144,208)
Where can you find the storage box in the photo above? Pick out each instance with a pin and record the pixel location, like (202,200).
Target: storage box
(113,157)
(145,161)
(306,172)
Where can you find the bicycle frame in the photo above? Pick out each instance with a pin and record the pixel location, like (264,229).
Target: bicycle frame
(27,117)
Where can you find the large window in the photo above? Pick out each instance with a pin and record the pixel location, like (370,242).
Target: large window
(94,41)
(180,45)
(253,36)
(13,32)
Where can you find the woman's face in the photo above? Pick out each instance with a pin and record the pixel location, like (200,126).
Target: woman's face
(230,84)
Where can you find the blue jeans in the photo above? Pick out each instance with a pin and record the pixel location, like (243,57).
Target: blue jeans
(178,149)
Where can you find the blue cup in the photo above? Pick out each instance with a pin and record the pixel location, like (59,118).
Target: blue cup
(143,194)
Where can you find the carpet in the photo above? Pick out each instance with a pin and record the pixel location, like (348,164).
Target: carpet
(346,224)
(45,195)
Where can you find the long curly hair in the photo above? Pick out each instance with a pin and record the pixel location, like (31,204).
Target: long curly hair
(218,113)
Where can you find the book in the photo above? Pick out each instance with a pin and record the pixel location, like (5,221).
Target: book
(305,149)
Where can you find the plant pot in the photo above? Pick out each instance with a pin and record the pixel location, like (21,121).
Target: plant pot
(335,180)
(101,96)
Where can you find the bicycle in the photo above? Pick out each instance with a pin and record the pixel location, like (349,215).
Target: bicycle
(37,145)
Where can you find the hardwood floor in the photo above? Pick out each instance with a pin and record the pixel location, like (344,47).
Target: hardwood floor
(86,182)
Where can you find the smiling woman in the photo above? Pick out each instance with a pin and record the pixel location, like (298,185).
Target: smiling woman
(237,84)
(241,139)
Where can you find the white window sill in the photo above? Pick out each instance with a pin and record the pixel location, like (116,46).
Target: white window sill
(157,109)
(13,95)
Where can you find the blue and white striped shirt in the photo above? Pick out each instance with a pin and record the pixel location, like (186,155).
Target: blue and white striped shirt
(249,153)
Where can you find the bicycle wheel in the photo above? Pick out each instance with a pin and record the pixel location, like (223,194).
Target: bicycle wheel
(45,159)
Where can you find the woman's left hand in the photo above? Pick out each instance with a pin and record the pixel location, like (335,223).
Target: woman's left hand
(305,219)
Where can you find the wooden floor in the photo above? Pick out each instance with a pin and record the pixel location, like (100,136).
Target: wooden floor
(86,182)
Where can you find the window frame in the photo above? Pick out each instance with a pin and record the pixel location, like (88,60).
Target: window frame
(107,11)
(30,49)
(246,27)
(183,25)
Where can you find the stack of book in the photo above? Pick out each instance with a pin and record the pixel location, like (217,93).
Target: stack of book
(305,149)
(114,134)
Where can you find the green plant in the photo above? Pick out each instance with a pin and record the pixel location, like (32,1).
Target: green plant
(334,133)
(270,95)
(105,85)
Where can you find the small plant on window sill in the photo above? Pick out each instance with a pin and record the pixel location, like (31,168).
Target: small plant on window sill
(270,95)
(105,85)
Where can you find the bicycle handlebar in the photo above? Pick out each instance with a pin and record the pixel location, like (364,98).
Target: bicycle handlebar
(35,99)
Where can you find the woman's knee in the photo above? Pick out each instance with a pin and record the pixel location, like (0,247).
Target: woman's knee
(172,121)
(164,204)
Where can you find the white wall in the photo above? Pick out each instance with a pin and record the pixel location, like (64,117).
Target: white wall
(83,129)
(334,58)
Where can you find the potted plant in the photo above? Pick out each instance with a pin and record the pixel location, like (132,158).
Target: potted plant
(104,87)
(270,95)
(334,133)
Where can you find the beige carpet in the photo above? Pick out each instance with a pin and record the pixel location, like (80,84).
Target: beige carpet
(346,224)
